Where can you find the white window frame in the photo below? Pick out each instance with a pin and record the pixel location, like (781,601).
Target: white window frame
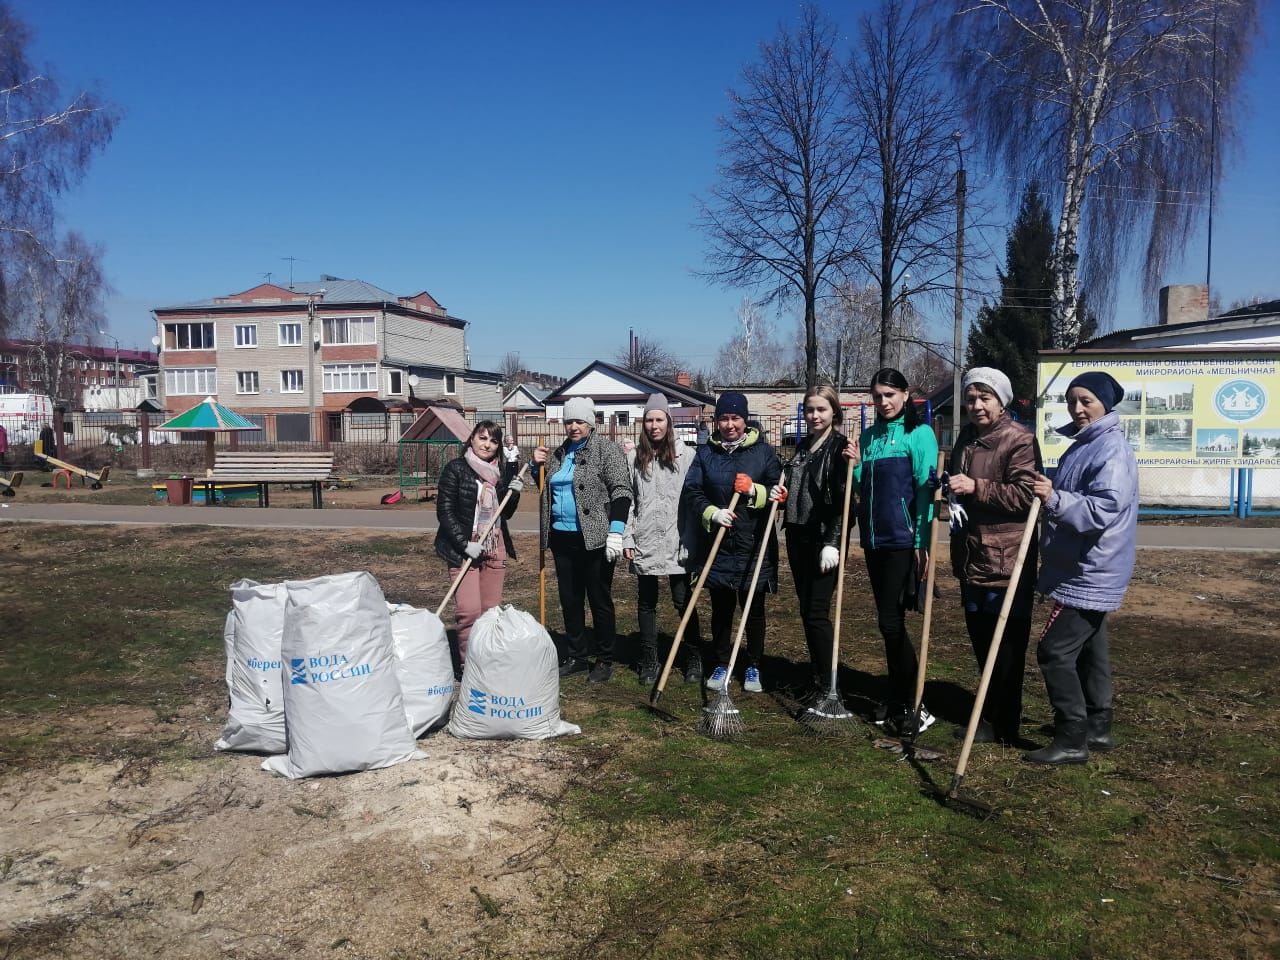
(450,384)
(395,383)
(190,381)
(342,377)
(241,380)
(246,328)
(330,326)
(174,328)
(280,337)
(285,378)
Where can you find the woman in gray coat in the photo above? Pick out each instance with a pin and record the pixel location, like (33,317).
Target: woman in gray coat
(585,516)
(655,541)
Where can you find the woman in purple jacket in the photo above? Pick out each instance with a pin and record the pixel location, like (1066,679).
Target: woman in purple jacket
(1087,553)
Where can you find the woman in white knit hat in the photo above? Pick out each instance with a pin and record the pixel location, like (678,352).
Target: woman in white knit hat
(585,517)
(993,468)
(658,537)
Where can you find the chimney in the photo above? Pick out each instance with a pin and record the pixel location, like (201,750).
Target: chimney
(1184,303)
(684,379)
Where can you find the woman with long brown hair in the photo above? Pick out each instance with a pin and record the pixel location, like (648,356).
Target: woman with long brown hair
(656,541)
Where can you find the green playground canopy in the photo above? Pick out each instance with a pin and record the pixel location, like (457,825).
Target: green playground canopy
(209,415)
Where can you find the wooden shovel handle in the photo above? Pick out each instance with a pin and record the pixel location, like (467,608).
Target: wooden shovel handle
(928,590)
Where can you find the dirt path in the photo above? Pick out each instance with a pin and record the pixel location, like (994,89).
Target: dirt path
(212,857)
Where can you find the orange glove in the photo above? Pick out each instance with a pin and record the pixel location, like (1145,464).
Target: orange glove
(742,484)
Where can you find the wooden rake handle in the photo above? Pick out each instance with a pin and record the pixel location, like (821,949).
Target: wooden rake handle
(928,590)
(692,604)
(840,571)
(989,667)
(751,591)
(466,563)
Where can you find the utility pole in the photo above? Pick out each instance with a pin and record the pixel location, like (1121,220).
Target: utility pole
(103,333)
(958,345)
(839,370)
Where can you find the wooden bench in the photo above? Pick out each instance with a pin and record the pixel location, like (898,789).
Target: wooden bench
(265,468)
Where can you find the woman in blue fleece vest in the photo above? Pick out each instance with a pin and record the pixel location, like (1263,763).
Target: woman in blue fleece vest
(895,505)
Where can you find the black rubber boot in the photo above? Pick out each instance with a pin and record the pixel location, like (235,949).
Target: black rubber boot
(1100,738)
(647,662)
(1069,745)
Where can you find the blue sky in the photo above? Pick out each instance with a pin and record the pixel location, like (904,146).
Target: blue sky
(534,166)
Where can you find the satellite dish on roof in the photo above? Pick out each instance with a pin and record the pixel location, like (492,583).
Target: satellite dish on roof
(413,379)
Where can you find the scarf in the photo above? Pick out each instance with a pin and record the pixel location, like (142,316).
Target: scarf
(486,499)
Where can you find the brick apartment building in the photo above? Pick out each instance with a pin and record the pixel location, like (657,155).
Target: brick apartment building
(325,346)
(86,377)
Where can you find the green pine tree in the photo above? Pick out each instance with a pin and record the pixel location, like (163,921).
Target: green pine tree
(1008,335)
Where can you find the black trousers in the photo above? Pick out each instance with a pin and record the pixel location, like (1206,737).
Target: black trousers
(813,591)
(724,602)
(890,572)
(647,614)
(584,576)
(1003,707)
(1076,662)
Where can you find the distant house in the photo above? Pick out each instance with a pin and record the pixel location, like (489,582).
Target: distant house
(328,345)
(526,400)
(620,394)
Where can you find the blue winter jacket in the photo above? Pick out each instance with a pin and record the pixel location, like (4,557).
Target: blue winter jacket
(1088,546)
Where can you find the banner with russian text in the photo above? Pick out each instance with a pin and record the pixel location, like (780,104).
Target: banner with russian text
(1180,409)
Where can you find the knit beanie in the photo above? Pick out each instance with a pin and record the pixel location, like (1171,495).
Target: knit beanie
(657,401)
(1102,385)
(992,378)
(580,408)
(731,401)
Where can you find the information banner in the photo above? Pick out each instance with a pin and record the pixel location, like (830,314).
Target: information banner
(1180,409)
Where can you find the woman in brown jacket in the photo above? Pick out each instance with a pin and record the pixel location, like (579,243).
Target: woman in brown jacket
(993,467)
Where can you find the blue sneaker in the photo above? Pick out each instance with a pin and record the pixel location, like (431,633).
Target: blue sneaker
(718,678)
(751,683)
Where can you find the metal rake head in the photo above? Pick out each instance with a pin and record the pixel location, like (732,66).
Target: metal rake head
(829,717)
(721,720)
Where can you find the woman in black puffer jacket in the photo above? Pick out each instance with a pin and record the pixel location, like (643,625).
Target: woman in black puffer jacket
(736,458)
(470,490)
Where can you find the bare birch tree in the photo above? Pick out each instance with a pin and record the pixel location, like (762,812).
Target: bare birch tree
(779,219)
(907,190)
(752,354)
(1111,105)
(60,292)
(46,143)
(850,318)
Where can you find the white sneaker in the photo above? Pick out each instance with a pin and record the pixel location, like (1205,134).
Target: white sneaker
(751,682)
(926,718)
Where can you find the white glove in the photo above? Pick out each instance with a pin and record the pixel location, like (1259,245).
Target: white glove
(516,485)
(723,518)
(828,559)
(473,550)
(613,547)
(777,492)
(957,512)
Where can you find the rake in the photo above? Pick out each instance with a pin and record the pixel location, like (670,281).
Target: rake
(721,720)
(829,716)
(466,562)
(952,796)
(656,694)
(909,735)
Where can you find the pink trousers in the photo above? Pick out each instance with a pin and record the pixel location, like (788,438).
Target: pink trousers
(480,589)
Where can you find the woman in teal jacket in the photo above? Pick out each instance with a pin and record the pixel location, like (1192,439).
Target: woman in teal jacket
(894,458)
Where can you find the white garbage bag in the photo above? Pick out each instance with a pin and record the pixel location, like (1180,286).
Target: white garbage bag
(510,684)
(252,634)
(342,701)
(423,665)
